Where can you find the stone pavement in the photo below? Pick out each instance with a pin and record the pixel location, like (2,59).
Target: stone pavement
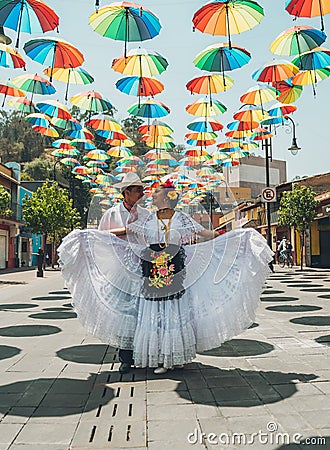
(60,388)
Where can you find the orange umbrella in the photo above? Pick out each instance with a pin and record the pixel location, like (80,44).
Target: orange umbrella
(8,89)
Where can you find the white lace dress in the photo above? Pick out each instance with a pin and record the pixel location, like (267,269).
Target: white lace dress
(222,286)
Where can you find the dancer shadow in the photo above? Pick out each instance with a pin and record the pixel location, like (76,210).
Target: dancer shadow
(240,347)
(54,397)
(89,354)
(237,387)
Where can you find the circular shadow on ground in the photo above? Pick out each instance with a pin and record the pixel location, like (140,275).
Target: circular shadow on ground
(312,442)
(89,354)
(304,285)
(240,347)
(68,305)
(317,321)
(324,296)
(316,289)
(4,306)
(325,340)
(7,351)
(296,281)
(55,403)
(28,330)
(54,315)
(62,297)
(59,309)
(248,388)
(279,299)
(293,308)
(65,292)
(272,291)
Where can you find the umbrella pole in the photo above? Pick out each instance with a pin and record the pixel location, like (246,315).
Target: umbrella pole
(67,87)
(4,99)
(126,32)
(19,24)
(228,27)
(209,86)
(52,67)
(222,68)
(321,14)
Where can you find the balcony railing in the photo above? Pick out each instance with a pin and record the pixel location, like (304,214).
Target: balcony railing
(13,212)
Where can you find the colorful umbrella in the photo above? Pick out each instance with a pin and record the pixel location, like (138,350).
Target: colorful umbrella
(274,71)
(46,131)
(312,77)
(83,144)
(120,142)
(8,89)
(259,95)
(125,21)
(91,101)
(10,58)
(35,84)
(53,52)
(82,133)
(64,144)
(112,134)
(238,125)
(157,128)
(202,107)
(29,16)
(141,63)
(297,40)
(308,8)
(228,17)
(209,84)
(221,58)
(66,124)
(251,113)
(39,119)
(119,152)
(289,93)
(205,125)
(22,104)
(104,122)
(99,155)
(318,58)
(140,86)
(149,109)
(69,76)
(69,162)
(281,110)
(54,108)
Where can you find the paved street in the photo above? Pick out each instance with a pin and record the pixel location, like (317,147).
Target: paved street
(60,388)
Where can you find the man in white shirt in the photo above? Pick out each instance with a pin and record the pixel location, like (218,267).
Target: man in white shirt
(115,220)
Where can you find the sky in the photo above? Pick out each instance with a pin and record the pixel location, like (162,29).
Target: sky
(179,44)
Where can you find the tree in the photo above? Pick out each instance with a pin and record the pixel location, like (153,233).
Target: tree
(4,202)
(49,211)
(298,210)
(18,141)
(130,127)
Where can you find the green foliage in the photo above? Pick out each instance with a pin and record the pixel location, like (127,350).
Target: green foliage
(18,141)
(298,208)
(39,169)
(4,202)
(130,127)
(50,211)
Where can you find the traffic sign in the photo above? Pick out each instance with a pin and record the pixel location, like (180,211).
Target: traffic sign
(268,195)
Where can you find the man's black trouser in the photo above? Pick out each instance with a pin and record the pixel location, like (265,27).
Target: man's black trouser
(126,356)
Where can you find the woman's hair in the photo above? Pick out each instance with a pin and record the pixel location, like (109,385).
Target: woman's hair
(170,192)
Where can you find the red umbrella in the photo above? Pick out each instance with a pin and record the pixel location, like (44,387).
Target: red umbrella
(308,8)
(276,70)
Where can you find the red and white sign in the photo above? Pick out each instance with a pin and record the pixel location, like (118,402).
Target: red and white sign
(268,195)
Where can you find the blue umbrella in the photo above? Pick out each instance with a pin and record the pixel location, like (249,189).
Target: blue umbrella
(149,109)
(318,58)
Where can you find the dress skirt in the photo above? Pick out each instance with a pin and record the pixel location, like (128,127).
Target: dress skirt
(223,281)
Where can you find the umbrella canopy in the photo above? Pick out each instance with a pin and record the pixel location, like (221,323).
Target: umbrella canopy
(308,8)
(35,84)
(66,124)
(91,101)
(276,70)
(251,113)
(202,107)
(63,144)
(125,21)
(7,88)
(53,52)
(297,40)
(228,17)
(54,108)
(46,131)
(104,122)
(82,133)
(209,84)
(140,86)
(258,95)
(312,77)
(29,16)
(157,128)
(69,162)
(99,155)
(10,58)
(149,109)
(119,152)
(22,104)
(281,110)
(318,58)
(38,119)
(141,63)
(238,125)
(83,144)
(288,92)
(69,76)
(221,58)
(202,124)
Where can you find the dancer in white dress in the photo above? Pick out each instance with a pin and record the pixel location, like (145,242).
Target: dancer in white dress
(185,297)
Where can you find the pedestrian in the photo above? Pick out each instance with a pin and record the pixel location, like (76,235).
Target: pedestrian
(158,293)
(282,246)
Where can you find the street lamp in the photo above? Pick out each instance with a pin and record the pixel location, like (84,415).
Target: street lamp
(294,149)
(54,169)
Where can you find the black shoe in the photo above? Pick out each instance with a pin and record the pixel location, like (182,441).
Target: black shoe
(124,367)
